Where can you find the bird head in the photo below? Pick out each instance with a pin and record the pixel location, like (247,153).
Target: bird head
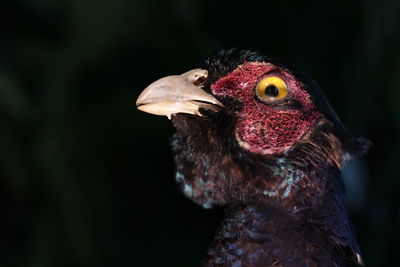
(243,122)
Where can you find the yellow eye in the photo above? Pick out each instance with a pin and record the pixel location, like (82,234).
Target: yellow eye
(271,88)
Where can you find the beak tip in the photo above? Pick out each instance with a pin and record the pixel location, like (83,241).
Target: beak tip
(143,99)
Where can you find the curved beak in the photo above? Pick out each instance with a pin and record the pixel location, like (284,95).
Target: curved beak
(178,94)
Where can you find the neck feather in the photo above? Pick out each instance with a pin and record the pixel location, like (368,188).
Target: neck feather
(264,236)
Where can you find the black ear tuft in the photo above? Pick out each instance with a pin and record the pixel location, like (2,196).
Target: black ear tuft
(356,145)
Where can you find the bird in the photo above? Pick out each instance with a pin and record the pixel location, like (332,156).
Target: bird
(257,136)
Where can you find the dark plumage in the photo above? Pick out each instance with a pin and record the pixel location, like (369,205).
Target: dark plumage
(265,143)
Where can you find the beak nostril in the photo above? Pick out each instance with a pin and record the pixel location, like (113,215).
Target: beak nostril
(199,80)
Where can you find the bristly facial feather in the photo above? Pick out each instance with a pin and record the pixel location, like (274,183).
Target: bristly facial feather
(267,127)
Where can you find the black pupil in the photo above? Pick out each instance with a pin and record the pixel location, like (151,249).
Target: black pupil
(271,91)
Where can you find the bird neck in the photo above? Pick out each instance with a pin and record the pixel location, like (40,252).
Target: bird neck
(263,235)
(287,209)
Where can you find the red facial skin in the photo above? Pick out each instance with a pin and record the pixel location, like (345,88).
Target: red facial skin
(267,127)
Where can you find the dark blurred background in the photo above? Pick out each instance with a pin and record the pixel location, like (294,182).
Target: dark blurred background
(87,180)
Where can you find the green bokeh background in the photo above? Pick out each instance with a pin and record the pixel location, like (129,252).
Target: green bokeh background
(87,180)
